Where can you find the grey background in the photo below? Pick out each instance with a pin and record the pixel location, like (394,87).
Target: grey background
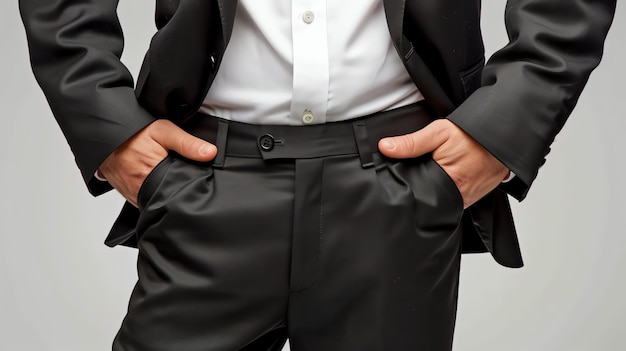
(62,289)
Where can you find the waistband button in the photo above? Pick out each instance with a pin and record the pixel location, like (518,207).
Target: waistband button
(266,142)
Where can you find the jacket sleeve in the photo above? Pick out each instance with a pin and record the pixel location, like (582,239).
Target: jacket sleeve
(75,48)
(530,87)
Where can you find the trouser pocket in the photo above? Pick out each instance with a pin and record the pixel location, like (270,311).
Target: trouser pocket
(152,181)
(437,200)
(169,190)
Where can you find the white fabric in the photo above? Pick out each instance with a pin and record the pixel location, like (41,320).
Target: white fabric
(307,62)
(509,177)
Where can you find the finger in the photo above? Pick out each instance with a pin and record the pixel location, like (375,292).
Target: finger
(414,144)
(174,138)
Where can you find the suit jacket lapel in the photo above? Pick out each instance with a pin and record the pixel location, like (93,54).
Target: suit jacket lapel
(426,82)
(227,16)
(394,11)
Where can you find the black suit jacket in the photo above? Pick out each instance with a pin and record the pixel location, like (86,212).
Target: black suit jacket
(514,107)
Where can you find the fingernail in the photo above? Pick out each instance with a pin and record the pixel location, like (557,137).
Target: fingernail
(206,149)
(388,144)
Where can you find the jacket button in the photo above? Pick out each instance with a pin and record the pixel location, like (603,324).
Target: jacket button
(266,142)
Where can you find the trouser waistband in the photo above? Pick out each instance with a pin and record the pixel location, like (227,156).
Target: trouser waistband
(355,136)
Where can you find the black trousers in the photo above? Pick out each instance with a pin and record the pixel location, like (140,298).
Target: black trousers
(305,233)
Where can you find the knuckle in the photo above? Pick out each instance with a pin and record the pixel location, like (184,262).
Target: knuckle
(155,127)
(160,129)
(406,141)
(445,129)
(440,125)
(187,142)
(161,123)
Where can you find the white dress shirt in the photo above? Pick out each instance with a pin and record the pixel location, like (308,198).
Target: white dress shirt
(299,62)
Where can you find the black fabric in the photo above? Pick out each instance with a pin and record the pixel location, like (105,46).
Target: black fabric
(313,247)
(334,138)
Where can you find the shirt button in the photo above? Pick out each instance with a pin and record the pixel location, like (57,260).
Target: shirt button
(308,17)
(308,117)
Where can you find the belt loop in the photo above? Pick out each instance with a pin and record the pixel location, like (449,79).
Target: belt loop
(220,143)
(363,144)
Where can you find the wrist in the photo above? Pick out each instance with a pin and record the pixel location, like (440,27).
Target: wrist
(99,176)
(509,177)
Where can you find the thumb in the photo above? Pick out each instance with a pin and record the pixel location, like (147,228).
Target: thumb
(185,144)
(414,144)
